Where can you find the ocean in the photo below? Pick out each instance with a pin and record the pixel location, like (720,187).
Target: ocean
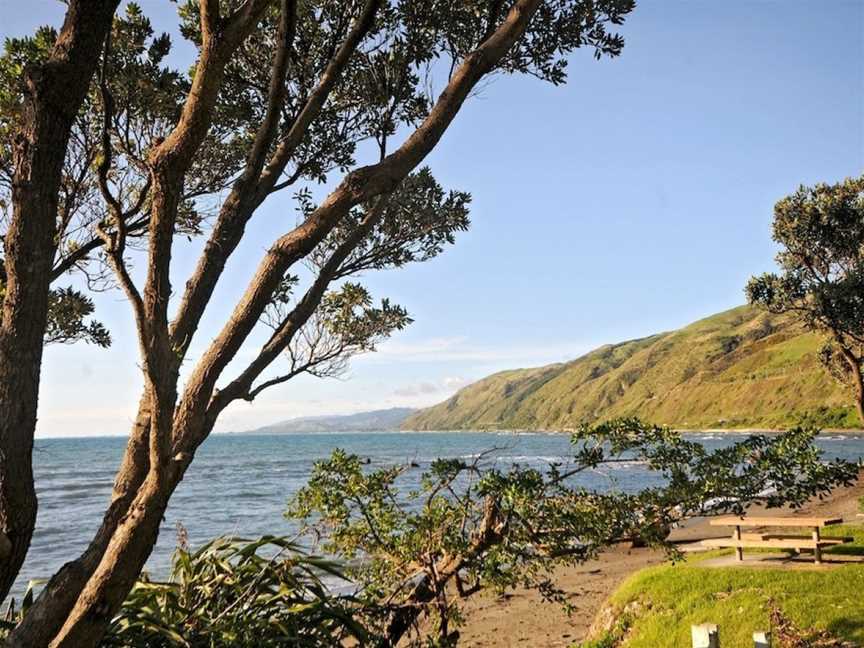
(239,484)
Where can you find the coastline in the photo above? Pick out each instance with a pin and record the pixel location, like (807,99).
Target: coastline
(516,431)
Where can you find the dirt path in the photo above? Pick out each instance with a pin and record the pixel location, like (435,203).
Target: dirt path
(522,619)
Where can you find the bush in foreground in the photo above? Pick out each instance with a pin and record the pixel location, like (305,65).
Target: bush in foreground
(235,593)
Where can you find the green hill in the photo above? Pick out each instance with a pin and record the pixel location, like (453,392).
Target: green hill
(739,369)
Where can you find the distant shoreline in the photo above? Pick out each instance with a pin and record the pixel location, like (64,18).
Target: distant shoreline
(845,431)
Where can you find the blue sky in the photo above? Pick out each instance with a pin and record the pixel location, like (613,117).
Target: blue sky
(636,198)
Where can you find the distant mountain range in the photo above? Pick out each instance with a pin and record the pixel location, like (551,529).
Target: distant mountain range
(739,369)
(377,421)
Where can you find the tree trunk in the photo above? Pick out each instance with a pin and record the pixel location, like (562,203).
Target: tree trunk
(859,392)
(405,616)
(124,556)
(59,595)
(64,602)
(54,95)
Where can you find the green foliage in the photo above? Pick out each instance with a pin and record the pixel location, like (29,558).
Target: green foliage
(67,312)
(146,96)
(388,84)
(238,594)
(13,615)
(482,526)
(772,379)
(469,526)
(419,219)
(788,463)
(349,316)
(821,233)
(343,325)
(232,593)
(416,222)
(17,54)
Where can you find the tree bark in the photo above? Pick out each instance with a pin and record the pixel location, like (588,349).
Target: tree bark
(257,180)
(357,187)
(54,94)
(42,621)
(858,380)
(425,591)
(128,550)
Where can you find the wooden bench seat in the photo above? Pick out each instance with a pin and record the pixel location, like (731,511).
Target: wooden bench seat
(774,543)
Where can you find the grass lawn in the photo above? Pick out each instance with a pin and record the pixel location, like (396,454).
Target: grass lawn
(668,599)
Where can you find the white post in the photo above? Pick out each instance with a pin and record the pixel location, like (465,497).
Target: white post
(762,640)
(705,635)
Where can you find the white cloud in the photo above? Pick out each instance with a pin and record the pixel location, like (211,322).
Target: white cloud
(416,389)
(425,388)
(460,349)
(85,421)
(454,382)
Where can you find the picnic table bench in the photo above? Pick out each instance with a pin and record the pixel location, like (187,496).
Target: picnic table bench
(773,540)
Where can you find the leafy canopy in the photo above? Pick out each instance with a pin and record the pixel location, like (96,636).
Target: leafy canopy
(821,233)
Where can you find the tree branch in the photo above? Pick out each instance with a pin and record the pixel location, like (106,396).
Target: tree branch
(248,194)
(209,19)
(301,313)
(115,244)
(357,187)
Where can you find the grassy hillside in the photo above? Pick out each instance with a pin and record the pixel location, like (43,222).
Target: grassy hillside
(374,421)
(739,369)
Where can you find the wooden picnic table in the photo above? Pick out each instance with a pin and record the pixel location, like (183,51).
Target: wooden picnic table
(739,540)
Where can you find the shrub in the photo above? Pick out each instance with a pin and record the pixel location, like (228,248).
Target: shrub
(237,593)
(480,525)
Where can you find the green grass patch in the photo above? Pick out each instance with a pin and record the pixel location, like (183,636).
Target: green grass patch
(671,598)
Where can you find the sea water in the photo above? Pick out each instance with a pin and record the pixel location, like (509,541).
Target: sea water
(239,484)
